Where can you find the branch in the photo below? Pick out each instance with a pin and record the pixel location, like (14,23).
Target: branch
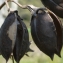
(3,4)
(22,6)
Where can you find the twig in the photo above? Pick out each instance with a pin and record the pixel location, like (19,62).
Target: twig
(7,5)
(22,6)
(3,4)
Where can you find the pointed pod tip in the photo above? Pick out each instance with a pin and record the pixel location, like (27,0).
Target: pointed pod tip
(30,50)
(27,55)
(52,57)
(59,55)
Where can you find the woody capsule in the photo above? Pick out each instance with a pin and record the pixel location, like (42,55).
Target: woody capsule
(46,31)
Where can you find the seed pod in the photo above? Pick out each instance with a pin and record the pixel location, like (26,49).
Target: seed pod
(44,33)
(58,26)
(62,35)
(8,35)
(0,41)
(22,40)
(59,2)
(55,6)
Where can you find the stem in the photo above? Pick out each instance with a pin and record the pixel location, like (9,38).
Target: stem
(22,6)
(3,4)
(7,5)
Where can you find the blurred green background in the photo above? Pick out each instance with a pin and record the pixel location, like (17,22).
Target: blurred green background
(37,56)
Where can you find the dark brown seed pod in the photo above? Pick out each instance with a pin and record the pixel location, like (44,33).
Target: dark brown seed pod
(62,35)
(0,41)
(8,35)
(58,26)
(43,32)
(22,40)
(59,2)
(55,6)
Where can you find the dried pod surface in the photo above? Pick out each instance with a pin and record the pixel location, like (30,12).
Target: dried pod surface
(59,2)
(22,40)
(44,33)
(58,26)
(8,35)
(55,6)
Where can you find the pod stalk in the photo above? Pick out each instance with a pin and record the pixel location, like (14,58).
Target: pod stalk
(21,6)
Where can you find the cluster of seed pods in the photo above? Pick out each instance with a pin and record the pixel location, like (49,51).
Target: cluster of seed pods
(46,31)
